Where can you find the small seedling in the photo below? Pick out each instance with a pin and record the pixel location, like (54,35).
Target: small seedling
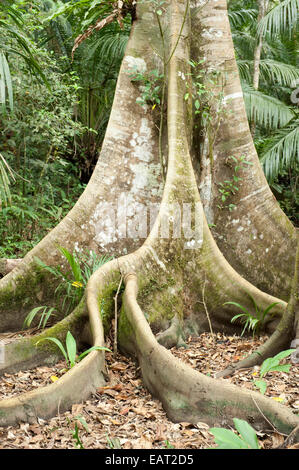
(70,353)
(167,445)
(251,322)
(113,443)
(75,432)
(44,312)
(197,89)
(270,365)
(72,282)
(227,439)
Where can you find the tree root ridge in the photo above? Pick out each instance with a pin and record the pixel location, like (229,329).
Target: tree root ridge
(76,385)
(276,343)
(25,353)
(283,334)
(188,395)
(173,336)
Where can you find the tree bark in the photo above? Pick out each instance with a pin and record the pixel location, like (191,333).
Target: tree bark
(255,234)
(7,265)
(165,276)
(127,172)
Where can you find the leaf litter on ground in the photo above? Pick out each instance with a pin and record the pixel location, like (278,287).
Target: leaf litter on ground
(124,415)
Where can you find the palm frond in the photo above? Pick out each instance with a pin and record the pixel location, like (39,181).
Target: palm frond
(5,83)
(110,44)
(272,72)
(6,175)
(241,17)
(278,73)
(265,110)
(282,150)
(245,70)
(12,12)
(244,43)
(25,48)
(281,19)
(282,49)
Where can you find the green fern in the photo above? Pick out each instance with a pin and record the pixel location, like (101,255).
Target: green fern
(6,176)
(271,71)
(242,16)
(265,110)
(12,26)
(282,18)
(281,150)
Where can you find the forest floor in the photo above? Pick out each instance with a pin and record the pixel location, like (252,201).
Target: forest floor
(123,415)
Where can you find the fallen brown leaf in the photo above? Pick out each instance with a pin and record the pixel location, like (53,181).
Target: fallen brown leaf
(277,440)
(109,387)
(119,366)
(77,409)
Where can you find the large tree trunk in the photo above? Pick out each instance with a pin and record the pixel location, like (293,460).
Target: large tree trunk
(255,236)
(178,283)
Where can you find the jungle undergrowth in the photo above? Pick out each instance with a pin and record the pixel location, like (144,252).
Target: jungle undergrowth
(129,416)
(272,364)
(70,351)
(252,322)
(31,212)
(71,285)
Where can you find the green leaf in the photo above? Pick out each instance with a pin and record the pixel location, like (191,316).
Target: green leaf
(267,365)
(82,421)
(227,439)
(58,343)
(281,18)
(281,150)
(247,433)
(2,82)
(93,348)
(71,348)
(267,310)
(284,354)
(31,315)
(282,368)
(238,305)
(240,315)
(261,385)
(45,316)
(74,264)
(6,82)
(265,110)
(50,269)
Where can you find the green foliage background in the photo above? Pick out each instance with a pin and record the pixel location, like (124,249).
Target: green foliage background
(54,108)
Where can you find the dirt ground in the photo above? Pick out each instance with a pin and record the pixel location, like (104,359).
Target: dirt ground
(123,415)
